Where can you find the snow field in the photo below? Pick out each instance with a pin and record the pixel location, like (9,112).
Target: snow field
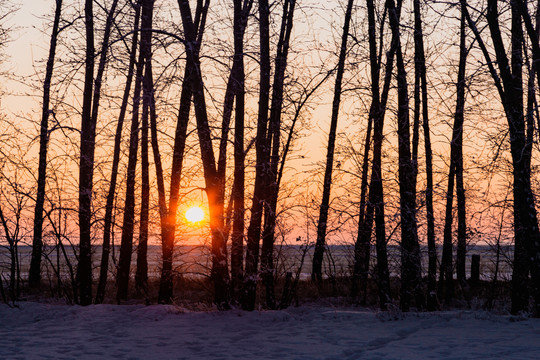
(43,331)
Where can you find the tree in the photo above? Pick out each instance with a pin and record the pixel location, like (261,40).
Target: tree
(273,147)
(141,275)
(446,283)
(508,81)
(241,13)
(168,216)
(420,88)
(34,275)
(268,159)
(411,271)
(249,287)
(86,167)
(126,245)
(106,247)
(213,180)
(375,205)
(316,274)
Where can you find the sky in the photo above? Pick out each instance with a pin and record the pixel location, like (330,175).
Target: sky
(29,46)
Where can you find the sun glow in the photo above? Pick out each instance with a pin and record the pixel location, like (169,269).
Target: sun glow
(194,214)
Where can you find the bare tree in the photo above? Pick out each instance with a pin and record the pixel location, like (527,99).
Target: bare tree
(420,88)
(411,271)
(168,216)
(34,275)
(86,167)
(316,274)
(273,145)
(508,81)
(213,180)
(126,246)
(446,282)
(106,246)
(241,13)
(261,167)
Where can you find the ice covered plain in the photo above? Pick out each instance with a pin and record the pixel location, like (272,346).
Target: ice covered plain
(44,331)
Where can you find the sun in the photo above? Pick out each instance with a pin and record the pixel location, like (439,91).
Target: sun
(194,214)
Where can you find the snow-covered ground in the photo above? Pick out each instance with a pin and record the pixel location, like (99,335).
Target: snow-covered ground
(41,331)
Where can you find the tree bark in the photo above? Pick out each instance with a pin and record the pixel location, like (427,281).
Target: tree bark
(86,167)
(241,13)
(168,217)
(273,138)
(316,273)
(214,189)
(262,163)
(106,247)
(421,80)
(141,275)
(126,245)
(362,247)
(34,275)
(411,271)
(527,235)
(457,143)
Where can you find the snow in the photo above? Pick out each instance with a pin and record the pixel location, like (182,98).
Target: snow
(45,331)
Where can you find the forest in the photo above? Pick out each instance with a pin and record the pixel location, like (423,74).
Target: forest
(404,135)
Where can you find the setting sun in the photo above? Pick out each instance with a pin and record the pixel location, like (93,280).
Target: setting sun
(194,214)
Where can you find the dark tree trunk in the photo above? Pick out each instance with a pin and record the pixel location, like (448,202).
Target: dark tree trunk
(214,188)
(34,275)
(86,167)
(168,217)
(365,221)
(457,143)
(421,86)
(126,246)
(273,138)
(527,235)
(376,194)
(106,248)
(316,273)
(262,163)
(446,282)
(241,13)
(141,275)
(455,175)
(411,271)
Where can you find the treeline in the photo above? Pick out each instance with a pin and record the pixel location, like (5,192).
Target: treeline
(150,101)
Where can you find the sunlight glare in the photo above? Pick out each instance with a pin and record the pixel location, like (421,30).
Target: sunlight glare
(195,214)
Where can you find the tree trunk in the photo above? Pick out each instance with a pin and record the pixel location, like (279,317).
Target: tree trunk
(527,235)
(241,13)
(273,138)
(106,248)
(411,271)
(316,273)
(376,194)
(34,275)
(446,285)
(126,246)
(86,167)
(262,163)
(457,143)
(214,189)
(168,217)
(420,65)
(365,221)
(141,275)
